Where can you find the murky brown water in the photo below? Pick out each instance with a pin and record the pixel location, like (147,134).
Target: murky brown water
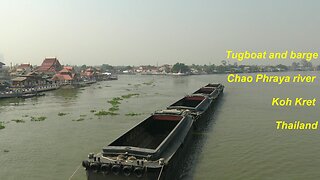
(239,142)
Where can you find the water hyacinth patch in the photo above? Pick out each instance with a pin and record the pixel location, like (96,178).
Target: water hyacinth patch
(41,118)
(62,114)
(18,120)
(129,95)
(80,119)
(105,113)
(1,125)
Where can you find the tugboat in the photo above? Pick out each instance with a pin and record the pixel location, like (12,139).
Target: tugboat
(153,148)
(147,151)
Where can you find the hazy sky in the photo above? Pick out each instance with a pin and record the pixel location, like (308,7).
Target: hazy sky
(134,32)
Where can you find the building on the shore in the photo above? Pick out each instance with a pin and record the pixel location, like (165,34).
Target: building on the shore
(67,76)
(22,69)
(88,74)
(32,79)
(50,66)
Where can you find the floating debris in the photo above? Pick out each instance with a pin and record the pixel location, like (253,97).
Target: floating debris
(18,120)
(25,115)
(83,115)
(105,113)
(133,114)
(41,118)
(92,111)
(6,151)
(62,114)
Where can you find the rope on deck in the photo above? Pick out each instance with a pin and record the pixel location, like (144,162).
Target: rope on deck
(160,172)
(74,172)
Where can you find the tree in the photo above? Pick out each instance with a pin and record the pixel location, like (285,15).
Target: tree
(306,63)
(83,67)
(282,67)
(224,62)
(295,65)
(107,67)
(180,67)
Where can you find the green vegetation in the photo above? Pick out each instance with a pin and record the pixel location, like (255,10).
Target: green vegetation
(18,120)
(80,119)
(114,108)
(62,114)
(105,113)
(1,125)
(115,105)
(129,95)
(41,118)
(115,101)
(180,67)
(133,114)
(148,83)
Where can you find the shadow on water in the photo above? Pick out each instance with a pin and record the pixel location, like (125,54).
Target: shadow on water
(12,101)
(181,80)
(66,93)
(199,138)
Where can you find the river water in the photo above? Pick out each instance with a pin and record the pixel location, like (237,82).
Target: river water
(239,142)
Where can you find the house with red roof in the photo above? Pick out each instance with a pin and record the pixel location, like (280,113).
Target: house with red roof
(50,65)
(23,69)
(65,76)
(88,74)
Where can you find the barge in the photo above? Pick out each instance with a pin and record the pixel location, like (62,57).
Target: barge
(152,149)
(199,101)
(145,151)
